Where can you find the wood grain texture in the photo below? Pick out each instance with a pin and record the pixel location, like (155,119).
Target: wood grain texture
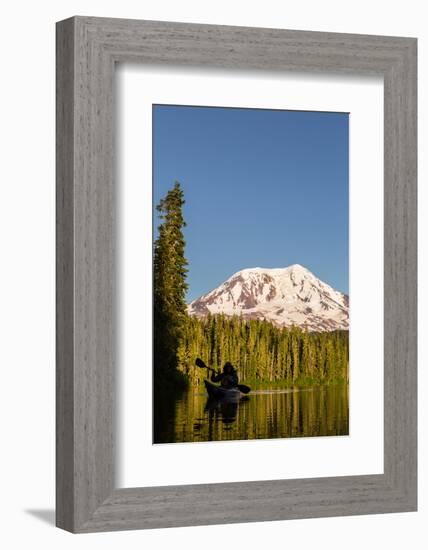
(64,276)
(87,49)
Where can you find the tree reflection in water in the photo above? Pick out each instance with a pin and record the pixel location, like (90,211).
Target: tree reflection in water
(267,414)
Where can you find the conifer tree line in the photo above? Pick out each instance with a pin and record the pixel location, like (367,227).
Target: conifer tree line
(169,288)
(262,352)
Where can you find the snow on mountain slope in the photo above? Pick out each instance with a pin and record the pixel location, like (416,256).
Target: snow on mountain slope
(284,296)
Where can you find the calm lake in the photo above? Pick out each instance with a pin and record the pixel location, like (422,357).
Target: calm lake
(264,414)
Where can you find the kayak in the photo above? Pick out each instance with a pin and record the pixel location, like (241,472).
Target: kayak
(218,392)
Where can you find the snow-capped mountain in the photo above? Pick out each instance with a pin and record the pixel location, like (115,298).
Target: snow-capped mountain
(284,296)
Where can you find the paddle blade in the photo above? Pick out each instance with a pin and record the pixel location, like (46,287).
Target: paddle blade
(199,363)
(243,388)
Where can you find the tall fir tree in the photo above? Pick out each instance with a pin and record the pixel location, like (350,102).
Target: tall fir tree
(169,288)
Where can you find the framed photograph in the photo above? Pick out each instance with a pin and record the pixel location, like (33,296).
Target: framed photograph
(274,340)
(236,274)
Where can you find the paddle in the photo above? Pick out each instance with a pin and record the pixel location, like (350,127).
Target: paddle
(241,387)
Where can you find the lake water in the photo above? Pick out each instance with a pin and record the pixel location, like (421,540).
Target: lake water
(264,414)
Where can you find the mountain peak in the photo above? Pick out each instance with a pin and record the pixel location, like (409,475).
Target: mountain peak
(285,296)
(297,268)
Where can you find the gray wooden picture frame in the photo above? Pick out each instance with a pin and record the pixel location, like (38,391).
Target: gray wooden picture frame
(87,50)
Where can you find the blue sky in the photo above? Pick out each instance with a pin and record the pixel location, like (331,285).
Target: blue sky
(263,188)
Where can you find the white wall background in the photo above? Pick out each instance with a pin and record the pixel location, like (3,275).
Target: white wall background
(27,271)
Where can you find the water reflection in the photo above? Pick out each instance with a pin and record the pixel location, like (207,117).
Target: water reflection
(265,414)
(223,411)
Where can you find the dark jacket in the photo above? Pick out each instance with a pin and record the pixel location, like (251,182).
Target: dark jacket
(226,380)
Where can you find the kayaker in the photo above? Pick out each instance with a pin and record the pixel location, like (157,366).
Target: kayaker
(228,378)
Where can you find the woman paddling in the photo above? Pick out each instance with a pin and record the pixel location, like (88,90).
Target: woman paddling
(228,378)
